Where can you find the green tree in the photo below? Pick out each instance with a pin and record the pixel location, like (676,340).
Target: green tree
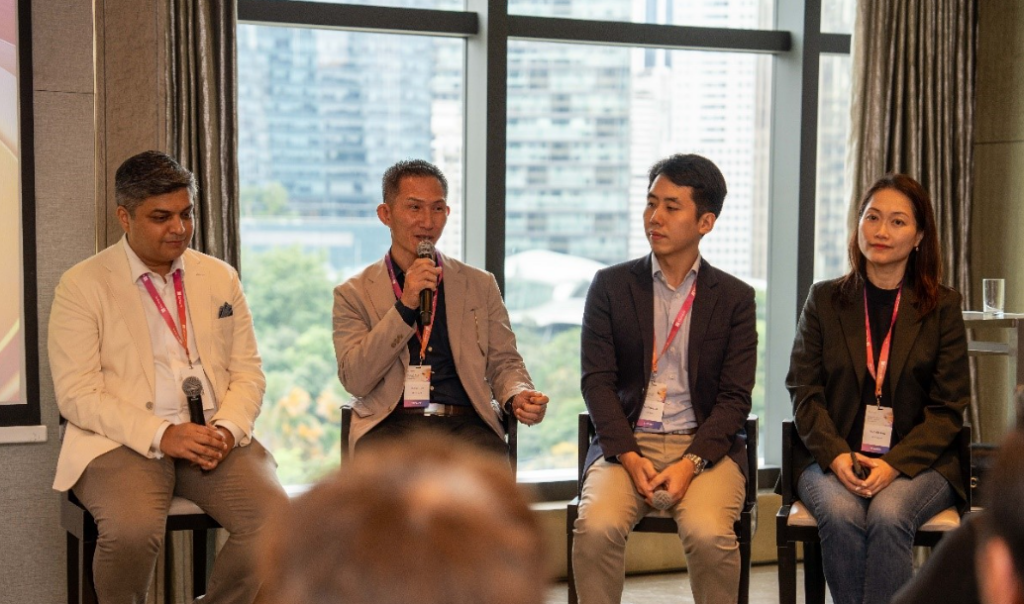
(268,200)
(289,293)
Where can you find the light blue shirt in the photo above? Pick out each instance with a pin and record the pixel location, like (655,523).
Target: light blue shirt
(672,367)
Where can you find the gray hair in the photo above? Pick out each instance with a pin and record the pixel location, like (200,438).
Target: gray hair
(409,167)
(149,174)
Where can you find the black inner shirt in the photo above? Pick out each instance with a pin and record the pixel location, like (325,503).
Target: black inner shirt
(881,303)
(445,386)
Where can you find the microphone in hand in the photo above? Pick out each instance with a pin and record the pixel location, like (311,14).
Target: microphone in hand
(193,389)
(425,249)
(662,499)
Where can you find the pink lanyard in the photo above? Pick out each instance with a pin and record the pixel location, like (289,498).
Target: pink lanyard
(687,304)
(883,355)
(424,336)
(179,297)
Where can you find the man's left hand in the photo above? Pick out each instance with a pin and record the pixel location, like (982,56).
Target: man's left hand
(675,479)
(529,406)
(229,445)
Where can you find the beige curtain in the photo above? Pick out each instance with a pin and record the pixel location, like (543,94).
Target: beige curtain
(913,110)
(201,115)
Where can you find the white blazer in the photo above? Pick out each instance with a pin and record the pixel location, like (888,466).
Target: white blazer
(101,357)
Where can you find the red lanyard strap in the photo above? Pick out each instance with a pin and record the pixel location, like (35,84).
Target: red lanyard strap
(883,355)
(680,317)
(179,298)
(422,336)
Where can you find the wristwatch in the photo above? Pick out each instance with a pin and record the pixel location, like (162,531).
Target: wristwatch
(699,463)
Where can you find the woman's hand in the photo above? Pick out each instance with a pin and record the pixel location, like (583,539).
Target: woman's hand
(881,476)
(842,467)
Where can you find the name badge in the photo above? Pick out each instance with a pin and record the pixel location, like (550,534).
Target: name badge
(654,406)
(877,430)
(417,386)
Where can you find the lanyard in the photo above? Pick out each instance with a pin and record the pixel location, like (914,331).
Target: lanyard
(179,297)
(883,355)
(423,336)
(687,305)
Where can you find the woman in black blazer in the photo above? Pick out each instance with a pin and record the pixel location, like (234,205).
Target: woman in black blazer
(879,382)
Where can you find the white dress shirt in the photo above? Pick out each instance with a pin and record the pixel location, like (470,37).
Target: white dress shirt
(169,357)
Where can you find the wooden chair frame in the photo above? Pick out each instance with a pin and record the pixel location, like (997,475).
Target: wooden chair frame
(787,536)
(81,544)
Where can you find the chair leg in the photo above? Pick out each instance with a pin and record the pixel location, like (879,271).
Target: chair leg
(570,575)
(74,569)
(814,574)
(787,573)
(198,562)
(744,595)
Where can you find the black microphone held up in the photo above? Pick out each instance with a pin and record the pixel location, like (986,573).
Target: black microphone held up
(425,249)
(193,389)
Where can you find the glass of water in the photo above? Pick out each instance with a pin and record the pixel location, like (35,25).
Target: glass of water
(993,295)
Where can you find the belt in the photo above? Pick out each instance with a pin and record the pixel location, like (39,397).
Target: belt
(437,410)
(686,432)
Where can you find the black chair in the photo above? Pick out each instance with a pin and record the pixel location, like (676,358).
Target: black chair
(794,524)
(745,527)
(81,528)
(511,435)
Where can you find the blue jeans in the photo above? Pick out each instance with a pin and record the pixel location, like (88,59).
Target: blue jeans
(867,544)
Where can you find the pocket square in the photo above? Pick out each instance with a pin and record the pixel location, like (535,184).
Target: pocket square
(225,311)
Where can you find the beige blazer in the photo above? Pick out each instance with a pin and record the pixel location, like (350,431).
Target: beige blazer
(101,358)
(371,342)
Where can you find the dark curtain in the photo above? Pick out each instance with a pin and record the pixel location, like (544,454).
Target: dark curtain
(201,120)
(202,116)
(913,112)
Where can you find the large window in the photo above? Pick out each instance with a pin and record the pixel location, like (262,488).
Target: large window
(585,123)
(547,134)
(833,194)
(322,114)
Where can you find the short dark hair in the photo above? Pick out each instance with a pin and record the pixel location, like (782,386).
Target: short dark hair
(697,172)
(409,167)
(149,174)
(369,533)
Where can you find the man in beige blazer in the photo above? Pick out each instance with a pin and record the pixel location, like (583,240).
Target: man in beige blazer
(461,372)
(128,326)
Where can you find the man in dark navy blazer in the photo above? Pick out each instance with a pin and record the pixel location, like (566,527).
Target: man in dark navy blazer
(669,349)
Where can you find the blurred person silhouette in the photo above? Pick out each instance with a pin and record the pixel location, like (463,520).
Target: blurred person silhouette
(1000,553)
(423,519)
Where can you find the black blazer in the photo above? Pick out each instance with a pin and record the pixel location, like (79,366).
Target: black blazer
(929,381)
(617,339)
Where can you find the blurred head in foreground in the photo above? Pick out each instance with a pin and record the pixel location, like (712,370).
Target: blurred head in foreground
(426,520)
(1000,554)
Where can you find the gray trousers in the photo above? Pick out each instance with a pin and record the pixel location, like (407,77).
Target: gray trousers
(129,496)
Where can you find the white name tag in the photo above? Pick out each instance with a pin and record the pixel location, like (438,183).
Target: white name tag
(877,430)
(654,406)
(417,386)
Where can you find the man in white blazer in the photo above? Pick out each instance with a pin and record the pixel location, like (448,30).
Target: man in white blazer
(128,327)
(457,373)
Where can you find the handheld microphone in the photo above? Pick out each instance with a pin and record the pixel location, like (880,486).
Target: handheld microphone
(661,499)
(425,249)
(193,389)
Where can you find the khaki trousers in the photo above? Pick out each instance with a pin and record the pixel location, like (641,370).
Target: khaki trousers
(129,496)
(610,507)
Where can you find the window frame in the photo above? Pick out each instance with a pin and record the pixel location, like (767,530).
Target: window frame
(796,43)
